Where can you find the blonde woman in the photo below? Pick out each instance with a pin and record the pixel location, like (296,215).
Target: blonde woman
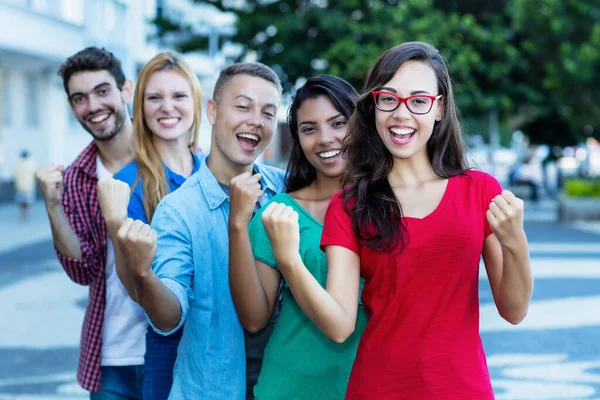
(167,112)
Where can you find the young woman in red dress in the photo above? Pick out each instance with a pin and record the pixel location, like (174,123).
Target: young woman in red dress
(413,221)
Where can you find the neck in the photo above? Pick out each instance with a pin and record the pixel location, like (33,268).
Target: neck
(223,169)
(411,171)
(325,187)
(176,155)
(118,151)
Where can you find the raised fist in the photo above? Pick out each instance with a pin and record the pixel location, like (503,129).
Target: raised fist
(138,244)
(245,191)
(505,216)
(50,181)
(113,196)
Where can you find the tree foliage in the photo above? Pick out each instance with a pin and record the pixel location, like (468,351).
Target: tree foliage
(528,59)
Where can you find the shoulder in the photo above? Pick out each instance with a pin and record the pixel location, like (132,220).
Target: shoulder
(128,173)
(274,175)
(187,197)
(477,177)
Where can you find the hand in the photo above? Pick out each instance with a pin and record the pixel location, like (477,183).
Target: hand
(138,244)
(281,225)
(50,181)
(505,216)
(113,196)
(244,193)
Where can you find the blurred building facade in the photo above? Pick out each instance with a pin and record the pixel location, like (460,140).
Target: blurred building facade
(36,36)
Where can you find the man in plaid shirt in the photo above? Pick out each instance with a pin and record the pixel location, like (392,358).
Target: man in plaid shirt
(113,337)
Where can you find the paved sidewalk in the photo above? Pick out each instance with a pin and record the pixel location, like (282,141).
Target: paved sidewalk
(15,233)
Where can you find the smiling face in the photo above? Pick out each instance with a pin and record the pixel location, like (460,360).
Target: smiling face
(404,134)
(244,119)
(97,103)
(321,131)
(168,106)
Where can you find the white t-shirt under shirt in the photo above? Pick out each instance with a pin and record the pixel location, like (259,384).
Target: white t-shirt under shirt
(124,332)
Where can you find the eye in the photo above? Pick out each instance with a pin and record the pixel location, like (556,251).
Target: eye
(269,114)
(339,124)
(307,129)
(419,101)
(388,99)
(181,96)
(242,107)
(152,98)
(103,91)
(77,99)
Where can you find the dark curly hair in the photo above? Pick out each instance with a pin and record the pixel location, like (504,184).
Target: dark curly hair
(92,59)
(377,218)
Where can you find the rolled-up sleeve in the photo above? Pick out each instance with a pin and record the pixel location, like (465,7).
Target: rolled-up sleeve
(174,262)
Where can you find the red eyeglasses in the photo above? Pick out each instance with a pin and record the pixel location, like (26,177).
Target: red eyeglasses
(418,104)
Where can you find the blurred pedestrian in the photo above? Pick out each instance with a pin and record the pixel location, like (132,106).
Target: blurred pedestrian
(24,175)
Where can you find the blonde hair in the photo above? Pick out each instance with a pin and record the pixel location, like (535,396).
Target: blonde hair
(150,166)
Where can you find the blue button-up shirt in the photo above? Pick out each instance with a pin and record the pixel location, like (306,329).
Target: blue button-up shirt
(129,175)
(193,262)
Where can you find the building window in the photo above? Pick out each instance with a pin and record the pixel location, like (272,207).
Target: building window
(6,103)
(33,100)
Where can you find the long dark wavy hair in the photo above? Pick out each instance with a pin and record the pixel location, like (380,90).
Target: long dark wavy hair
(377,218)
(300,172)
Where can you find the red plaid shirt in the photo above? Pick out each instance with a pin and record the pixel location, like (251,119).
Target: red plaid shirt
(80,204)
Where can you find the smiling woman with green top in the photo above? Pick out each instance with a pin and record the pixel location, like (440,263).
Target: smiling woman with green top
(300,362)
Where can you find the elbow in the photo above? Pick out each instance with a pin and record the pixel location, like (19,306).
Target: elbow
(341,336)
(514,317)
(253,326)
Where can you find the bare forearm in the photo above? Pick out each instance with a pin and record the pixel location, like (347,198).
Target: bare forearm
(158,301)
(516,284)
(120,262)
(320,306)
(251,301)
(65,239)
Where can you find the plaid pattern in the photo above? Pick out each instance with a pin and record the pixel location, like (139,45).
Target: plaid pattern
(80,204)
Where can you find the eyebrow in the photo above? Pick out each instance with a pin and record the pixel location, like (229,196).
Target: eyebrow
(252,100)
(390,89)
(98,86)
(314,123)
(158,94)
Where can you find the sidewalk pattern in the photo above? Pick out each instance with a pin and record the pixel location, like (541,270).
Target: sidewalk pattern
(554,354)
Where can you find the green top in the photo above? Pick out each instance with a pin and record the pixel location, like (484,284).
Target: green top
(300,362)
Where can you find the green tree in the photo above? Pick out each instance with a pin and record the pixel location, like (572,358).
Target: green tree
(559,43)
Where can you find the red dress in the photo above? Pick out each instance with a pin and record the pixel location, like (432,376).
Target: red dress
(422,341)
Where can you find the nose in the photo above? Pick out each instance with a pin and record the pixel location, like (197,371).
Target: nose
(93,104)
(326,135)
(256,119)
(166,105)
(402,111)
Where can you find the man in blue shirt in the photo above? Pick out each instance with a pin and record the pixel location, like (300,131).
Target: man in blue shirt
(188,282)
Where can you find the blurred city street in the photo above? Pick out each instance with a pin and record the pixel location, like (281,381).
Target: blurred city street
(554,354)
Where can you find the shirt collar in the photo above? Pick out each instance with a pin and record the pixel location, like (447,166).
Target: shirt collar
(86,160)
(213,193)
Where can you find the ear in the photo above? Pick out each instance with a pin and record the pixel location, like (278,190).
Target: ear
(127,91)
(440,109)
(211,111)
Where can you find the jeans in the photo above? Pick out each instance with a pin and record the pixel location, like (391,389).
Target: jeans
(161,353)
(120,383)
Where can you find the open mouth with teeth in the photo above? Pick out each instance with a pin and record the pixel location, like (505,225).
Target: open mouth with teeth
(99,119)
(248,141)
(402,135)
(329,154)
(168,122)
